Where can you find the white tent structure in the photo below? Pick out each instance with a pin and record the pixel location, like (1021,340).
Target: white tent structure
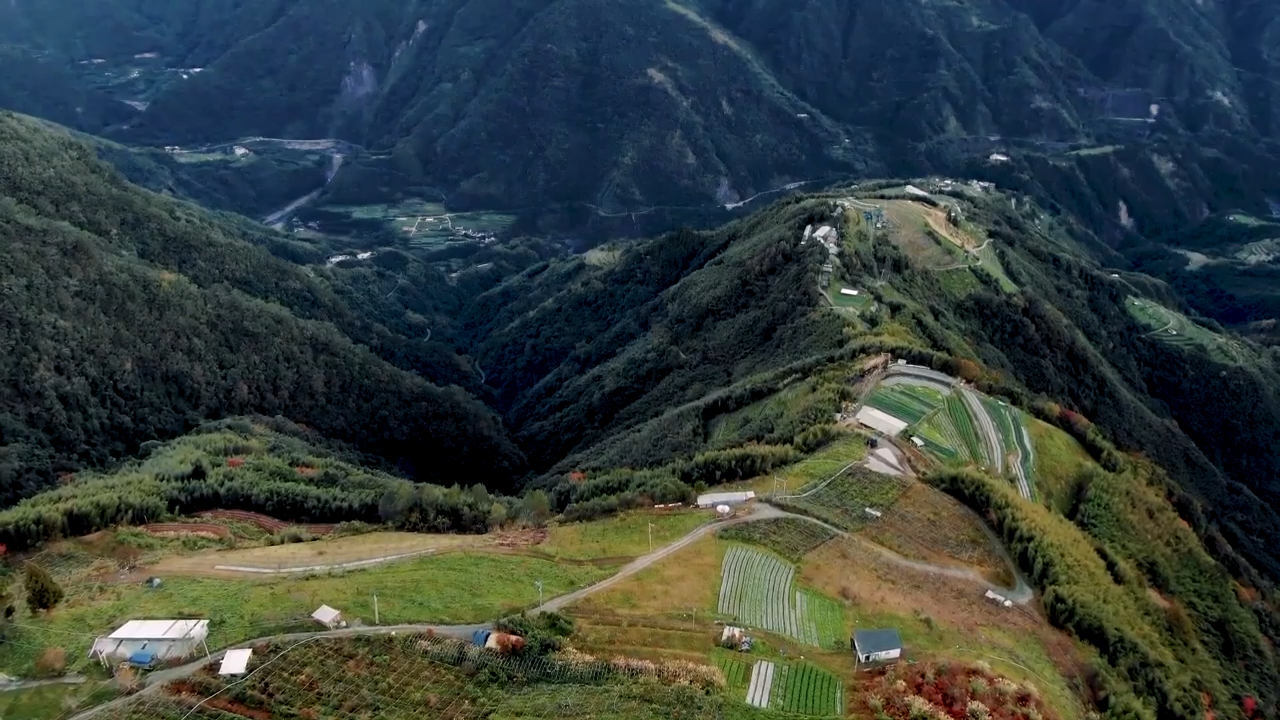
(327,616)
(235,662)
(154,640)
(881,421)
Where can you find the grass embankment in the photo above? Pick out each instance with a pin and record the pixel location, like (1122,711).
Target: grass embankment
(452,589)
(1133,581)
(623,536)
(1060,460)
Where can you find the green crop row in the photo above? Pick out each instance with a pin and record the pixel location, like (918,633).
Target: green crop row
(806,689)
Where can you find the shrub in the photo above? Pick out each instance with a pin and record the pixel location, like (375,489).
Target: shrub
(42,592)
(52,662)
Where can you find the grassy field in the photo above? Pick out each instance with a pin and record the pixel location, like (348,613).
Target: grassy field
(449,589)
(424,223)
(324,551)
(860,302)
(1060,460)
(946,619)
(623,536)
(53,701)
(929,525)
(686,581)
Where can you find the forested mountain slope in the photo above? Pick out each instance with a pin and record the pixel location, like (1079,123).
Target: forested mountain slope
(129,318)
(638,103)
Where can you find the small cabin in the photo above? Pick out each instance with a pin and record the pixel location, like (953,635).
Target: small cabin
(877,646)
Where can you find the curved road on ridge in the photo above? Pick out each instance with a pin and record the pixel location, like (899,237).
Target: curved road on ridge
(1021,594)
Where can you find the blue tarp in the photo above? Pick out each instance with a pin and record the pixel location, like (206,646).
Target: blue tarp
(142,657)
(480,637)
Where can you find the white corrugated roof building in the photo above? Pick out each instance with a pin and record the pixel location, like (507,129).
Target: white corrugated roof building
(162,639)
(880,420)
(724,498)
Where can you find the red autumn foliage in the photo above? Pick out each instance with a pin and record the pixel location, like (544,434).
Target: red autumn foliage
(949,688)
(1249,705)
(235,462)
(577,477)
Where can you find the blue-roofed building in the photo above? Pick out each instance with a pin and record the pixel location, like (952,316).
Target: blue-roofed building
(874,646)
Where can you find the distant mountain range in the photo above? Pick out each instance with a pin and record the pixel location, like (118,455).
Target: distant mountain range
(631,104)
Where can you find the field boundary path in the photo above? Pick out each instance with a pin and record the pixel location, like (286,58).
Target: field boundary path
(323,568)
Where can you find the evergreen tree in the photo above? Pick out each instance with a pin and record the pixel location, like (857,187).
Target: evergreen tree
(42,592)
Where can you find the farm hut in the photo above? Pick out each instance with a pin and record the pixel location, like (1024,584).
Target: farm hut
(152,640)
(999,599)
(874,646)
(725,498)
(732,637)
(235,662)
(327,616)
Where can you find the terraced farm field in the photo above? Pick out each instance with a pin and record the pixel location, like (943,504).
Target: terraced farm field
(911,403)
(806,689)
(1174,328)
(962,421)
(789,537)
(843,502)
(757,588)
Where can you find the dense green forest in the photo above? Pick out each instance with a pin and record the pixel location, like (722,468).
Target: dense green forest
(130,318)
(582,107)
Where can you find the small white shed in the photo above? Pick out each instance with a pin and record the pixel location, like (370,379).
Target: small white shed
(235,662)
(327,616)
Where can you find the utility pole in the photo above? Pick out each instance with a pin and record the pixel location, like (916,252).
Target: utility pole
(650,538)
(539,584)
(375,609)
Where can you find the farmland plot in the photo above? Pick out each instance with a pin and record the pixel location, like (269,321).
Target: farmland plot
(907,402)
(959,416)
(806,689)
(758,589)
(791,538)
(843,502)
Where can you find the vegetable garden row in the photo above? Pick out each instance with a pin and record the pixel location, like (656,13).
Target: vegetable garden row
(806,689)
(910,403)
(757,589)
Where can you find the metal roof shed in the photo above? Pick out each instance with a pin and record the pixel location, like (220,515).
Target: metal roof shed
(162,639)
(877,645)
(725,498)
(235,662)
